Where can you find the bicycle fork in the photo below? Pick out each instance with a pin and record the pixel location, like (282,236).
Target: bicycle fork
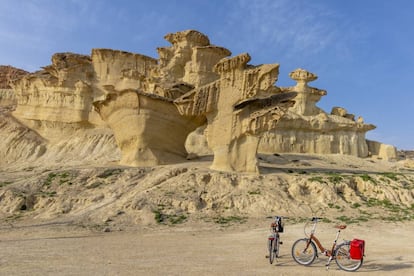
(331,257)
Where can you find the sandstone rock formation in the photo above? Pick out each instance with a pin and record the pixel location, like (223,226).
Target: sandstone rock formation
(305,128)
(382,151)
(56,100)
(8,74)
(241,104)
(151,105)
(52,120)
(135,96)
(308,129)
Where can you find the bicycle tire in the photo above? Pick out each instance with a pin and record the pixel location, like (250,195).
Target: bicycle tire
(271,246)
(344,260)
(301,255)
(277,246)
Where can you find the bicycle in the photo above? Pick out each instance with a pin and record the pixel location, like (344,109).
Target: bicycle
(273,241)
(347,257)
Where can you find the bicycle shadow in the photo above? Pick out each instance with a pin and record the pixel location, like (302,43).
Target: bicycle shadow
(367,266)
(370,266)
(286,260)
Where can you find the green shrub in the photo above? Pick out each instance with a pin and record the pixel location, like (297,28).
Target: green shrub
(349,220)
(109,172)
(390,175)
(367,177)
(230,219)
(356,205)
(331,205)
(177,219)
(5,183)
(335,178)
(162,218)
(317,179)
(49,179)
(158,216)
(255,192)
(326,220)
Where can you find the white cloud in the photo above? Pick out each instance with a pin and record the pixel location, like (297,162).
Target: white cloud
(291,28)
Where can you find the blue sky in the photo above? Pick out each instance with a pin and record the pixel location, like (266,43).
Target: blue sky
(361,50)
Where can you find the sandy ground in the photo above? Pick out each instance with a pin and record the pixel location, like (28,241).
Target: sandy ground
(192,249)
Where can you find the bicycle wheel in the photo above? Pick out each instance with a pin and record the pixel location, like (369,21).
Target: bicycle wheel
(303,255)
(343,259)
(277,245)
(271,245)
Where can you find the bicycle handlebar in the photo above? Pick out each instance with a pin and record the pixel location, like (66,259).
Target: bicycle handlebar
(316,218)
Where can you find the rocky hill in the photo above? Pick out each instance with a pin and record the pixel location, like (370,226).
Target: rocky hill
(109,196)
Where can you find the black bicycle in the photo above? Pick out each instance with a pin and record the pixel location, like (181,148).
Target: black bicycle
(273,241)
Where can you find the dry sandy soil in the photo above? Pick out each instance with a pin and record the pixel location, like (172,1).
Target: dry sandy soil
(192,249)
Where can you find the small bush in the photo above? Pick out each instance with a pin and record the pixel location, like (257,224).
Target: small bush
(177,219)
(349,220)
(367,177)
(5,183)
(331,205)
(317,179)
(255,192)
(162,218)
(64,178)
(109,172)
(390,175)
(335,179)
(230,219)
(49,179)
(158,216)
(356,205)
(48,194)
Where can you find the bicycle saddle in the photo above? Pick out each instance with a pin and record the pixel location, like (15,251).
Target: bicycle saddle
(342,226)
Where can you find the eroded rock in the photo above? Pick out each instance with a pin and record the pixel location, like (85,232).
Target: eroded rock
(151,105)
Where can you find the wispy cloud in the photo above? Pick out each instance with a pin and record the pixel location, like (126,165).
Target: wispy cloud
(34,23)
(30,29)
(290,27)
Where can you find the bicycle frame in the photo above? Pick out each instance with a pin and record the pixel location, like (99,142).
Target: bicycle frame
(305,250)
(312,237)
(274,239)
(328,253)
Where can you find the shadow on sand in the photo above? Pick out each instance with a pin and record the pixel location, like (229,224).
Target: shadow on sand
(371,266)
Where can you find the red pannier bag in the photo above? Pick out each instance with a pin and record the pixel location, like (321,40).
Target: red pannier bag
(357,249)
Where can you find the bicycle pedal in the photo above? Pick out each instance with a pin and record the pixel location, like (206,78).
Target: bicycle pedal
(280,242)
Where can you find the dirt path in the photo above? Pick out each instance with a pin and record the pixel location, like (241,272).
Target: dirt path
(191,250)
